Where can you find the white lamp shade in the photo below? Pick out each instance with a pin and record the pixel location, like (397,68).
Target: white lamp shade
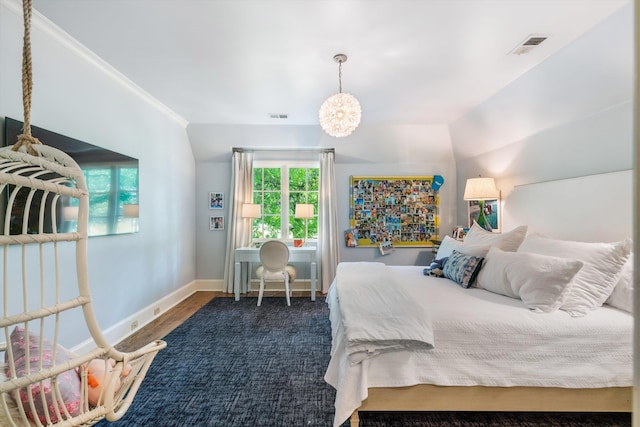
(250,210)
(130,210)
(480,189)
(304,210)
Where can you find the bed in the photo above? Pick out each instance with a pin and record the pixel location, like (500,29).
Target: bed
(491,352)
(529,361)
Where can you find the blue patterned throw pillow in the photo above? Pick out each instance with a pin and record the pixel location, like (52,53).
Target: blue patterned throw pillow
(462,269)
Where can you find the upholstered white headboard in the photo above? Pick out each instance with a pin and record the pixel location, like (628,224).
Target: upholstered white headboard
(594,208)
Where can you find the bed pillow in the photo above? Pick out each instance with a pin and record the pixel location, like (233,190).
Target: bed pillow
(69,381)
(622,295)
(448,245)
(462,269)
(542,282)
(509,241)
(594,283)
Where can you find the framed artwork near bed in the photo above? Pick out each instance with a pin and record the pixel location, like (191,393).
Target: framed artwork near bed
(403,210)
(491,213)
(458,233)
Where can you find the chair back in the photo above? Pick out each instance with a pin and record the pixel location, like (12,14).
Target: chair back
(274,255)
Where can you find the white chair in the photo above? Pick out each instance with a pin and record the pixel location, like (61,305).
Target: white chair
(274,256)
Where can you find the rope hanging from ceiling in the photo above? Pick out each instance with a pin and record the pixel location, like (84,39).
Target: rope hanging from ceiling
(26,138)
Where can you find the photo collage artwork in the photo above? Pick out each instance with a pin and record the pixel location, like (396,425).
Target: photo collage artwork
(401,210)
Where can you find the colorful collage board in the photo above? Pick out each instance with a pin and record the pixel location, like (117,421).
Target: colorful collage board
(401,210)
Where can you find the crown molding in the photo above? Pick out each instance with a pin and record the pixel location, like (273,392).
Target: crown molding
(43,24)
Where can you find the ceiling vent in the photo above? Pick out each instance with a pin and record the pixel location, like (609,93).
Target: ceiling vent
(528,45)
(278,116)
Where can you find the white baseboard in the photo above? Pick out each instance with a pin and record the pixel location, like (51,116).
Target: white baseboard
(124,328)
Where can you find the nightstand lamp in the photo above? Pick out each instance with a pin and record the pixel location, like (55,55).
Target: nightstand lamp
(305,211)
(250,211)
(481,189)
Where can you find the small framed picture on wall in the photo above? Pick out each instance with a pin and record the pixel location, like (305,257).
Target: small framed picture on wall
(216,200)
(216,223)
(459,233)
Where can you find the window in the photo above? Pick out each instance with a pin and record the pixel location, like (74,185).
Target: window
(278,188)
(109,189)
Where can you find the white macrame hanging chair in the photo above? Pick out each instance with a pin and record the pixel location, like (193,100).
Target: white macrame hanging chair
(45,292)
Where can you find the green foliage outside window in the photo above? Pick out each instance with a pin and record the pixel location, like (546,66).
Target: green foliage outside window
(303,188)
(279,198)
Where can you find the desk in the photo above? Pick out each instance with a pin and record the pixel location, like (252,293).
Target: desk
(244,256)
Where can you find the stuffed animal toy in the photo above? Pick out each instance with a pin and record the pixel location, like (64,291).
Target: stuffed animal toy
(99,374)
(436,268)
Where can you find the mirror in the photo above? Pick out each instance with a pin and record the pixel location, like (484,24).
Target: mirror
(112,180)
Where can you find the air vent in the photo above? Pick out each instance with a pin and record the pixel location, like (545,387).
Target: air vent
(278,116)
(528,45)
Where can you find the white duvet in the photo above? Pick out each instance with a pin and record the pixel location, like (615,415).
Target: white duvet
(481,338)
(378,316)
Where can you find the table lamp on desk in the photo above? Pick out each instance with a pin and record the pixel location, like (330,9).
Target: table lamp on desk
(305,211)
(250,211)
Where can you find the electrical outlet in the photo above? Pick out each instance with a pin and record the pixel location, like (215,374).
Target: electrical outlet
(134,325)
(156,311)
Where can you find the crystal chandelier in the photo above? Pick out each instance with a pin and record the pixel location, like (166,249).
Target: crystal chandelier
(340,114)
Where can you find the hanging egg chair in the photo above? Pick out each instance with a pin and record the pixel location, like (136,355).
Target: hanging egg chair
(46,295)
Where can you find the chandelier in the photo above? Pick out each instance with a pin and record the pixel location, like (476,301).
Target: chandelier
(340,113)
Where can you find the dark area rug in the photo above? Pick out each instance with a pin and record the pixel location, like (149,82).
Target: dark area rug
(493,419)
(235,364)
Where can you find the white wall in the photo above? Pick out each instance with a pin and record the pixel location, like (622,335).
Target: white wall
(75,94)
(571,116)
(375,150)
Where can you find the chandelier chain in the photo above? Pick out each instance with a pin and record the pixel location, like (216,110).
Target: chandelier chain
(340,77)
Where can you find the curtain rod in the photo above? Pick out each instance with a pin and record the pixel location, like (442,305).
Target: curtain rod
(252,150)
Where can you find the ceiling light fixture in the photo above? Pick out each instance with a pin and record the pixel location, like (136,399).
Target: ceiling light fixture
(340,114)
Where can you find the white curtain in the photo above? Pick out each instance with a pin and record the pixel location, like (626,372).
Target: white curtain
(239,229)
(328,235)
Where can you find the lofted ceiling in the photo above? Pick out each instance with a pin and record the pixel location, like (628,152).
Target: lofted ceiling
(238,61)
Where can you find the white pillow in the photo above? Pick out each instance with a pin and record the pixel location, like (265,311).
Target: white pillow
(509,241)
(622,295)
(542,282)
(448,245)
(595,281)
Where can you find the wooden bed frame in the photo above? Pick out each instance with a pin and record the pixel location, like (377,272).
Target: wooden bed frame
(427,397)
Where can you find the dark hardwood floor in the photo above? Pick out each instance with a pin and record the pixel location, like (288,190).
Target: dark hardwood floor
(170,320)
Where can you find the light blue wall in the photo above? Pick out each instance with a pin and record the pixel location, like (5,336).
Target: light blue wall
(370,150)
(571,116)
(74,97)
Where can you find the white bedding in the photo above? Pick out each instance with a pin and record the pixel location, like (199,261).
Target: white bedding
(378,316)
(487,339)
